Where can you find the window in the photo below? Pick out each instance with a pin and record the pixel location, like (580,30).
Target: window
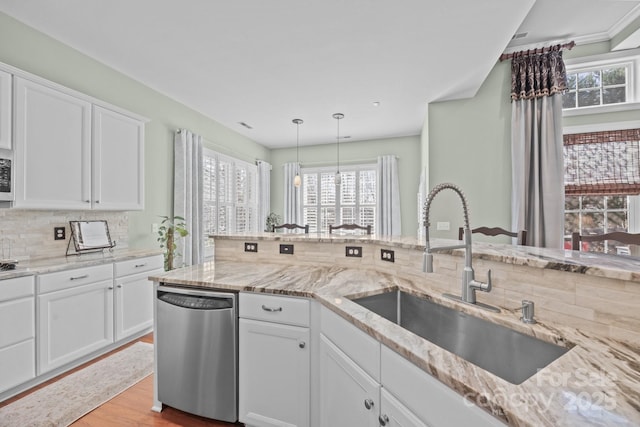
(597,214)
(602,180)
(353,202)
(598,86)
(229,195)
(602,83)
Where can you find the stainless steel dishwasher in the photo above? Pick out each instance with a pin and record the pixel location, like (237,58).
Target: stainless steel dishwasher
(197,345)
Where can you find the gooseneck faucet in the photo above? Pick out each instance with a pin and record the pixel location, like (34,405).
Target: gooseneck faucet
(469,284)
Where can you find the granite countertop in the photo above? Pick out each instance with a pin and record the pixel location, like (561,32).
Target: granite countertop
(61,263)
(596,383)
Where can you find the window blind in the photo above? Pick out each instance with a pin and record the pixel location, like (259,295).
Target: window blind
(603,163)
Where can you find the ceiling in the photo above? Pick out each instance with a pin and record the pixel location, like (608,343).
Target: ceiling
(265,63)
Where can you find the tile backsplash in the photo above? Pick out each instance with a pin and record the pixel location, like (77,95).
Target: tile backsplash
(30,232)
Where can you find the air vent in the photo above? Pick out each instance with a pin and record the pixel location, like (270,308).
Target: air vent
(245,125)
(519,36)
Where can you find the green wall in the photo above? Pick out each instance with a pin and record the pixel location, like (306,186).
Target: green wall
(469,145)
(407,149)
(32,51)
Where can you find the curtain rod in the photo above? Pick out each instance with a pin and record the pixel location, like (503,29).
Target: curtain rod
(506,56)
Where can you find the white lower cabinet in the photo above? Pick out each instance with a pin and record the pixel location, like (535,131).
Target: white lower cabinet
(17,331)
(133,299)
(348,395)
(394,414)
(76,316)
(274,363)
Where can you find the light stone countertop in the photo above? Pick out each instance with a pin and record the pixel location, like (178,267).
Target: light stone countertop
(596,383)
(61,263)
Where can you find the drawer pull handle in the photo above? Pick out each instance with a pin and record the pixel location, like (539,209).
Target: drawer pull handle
(271,309)
(140,265)
(84,276)
(368,403)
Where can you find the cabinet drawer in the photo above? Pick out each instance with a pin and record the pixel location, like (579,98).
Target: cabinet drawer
(444,406)
(17,320)
(358,345)
(18,364)
(70,278)
(272,308)
(16,288)
(139,265)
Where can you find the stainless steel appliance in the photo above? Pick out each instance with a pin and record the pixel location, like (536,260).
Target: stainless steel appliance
(6,186)
(197,343)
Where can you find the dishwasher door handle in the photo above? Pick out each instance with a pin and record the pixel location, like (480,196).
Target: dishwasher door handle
(271,309)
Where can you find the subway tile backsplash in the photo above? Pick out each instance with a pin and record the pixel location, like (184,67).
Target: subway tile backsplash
(30,232)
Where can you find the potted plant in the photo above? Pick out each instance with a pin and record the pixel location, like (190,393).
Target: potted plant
(167,231)
(272,219)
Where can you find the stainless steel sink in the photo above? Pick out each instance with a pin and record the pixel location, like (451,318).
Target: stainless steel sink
(511,355)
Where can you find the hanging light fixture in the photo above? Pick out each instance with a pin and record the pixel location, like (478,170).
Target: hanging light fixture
(338,117)
(297,181)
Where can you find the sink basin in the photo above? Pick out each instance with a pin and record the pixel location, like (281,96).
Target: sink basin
(511,355)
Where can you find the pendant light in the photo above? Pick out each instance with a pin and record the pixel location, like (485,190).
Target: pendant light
(338,117)
(297,181)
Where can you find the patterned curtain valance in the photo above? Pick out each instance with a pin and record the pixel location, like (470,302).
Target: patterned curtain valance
(538,73)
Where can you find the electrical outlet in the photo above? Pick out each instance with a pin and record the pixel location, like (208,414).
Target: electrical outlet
(387,255)
(59,233)
(353,251)
(250,247)
(286,249)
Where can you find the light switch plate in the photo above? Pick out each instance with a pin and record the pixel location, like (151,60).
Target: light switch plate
(443,226)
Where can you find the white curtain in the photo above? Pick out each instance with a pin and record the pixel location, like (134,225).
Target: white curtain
(538,170)
(187,195)
(264,193)
(388,200)
(292,196)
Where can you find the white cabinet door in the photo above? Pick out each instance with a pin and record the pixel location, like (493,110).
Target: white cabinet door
(118,161)
(74,322)
(5,110)
(395,414)
(52,148)
(134,304)
(17,332)
(273,374)
(348,396)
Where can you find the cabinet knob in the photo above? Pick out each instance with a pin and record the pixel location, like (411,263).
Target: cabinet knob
(302,344)
(383,419)
(368,403)
(120,286)
(110,287)
(87,201)
(97,201)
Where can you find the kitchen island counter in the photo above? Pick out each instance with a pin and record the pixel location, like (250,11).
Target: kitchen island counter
(596,383)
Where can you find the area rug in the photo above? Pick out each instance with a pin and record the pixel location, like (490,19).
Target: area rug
(63,402)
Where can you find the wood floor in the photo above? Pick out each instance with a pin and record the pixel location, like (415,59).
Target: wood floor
(133,407)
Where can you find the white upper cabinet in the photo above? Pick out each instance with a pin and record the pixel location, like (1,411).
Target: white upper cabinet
(52,148)
(118,161)
(72,155)
(5,110)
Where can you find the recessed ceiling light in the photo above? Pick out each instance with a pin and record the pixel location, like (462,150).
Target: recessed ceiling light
(376,103)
